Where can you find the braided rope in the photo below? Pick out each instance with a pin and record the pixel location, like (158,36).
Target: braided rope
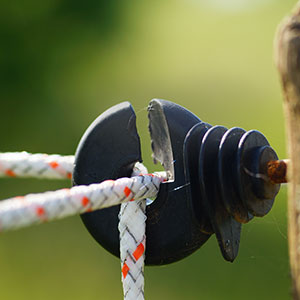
(23,164)
(32,209)
(132,227)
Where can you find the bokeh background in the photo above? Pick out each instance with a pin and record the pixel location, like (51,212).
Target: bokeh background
(64,62)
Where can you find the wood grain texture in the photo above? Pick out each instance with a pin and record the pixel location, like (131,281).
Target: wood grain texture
(287,48)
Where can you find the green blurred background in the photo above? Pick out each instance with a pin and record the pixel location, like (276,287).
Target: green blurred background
(64,62)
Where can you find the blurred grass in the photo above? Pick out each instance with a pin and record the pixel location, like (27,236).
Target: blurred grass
(64,62)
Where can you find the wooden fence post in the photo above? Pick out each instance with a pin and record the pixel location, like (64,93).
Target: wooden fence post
(287,48)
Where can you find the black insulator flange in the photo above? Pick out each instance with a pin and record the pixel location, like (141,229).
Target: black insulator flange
(228,180)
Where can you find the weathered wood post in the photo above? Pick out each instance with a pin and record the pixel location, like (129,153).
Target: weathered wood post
(287,48)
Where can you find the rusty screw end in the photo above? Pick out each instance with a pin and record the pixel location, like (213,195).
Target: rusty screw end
(277,171)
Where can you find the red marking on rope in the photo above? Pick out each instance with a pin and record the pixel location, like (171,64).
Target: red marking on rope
(10,173)
(127,191)
(53,164)
(131,200)
(41,213)
(152,175)
(138,251)
(85,201)
(69,175)
(125,270)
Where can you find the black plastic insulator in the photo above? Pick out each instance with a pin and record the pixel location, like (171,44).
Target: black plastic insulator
(217,179)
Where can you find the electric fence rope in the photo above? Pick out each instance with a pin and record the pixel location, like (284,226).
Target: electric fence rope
(132,228)
(24,164)
(131,193)
(32,209)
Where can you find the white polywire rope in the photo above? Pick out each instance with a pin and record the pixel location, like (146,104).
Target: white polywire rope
(32,209)
(132,227)
(24,164)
